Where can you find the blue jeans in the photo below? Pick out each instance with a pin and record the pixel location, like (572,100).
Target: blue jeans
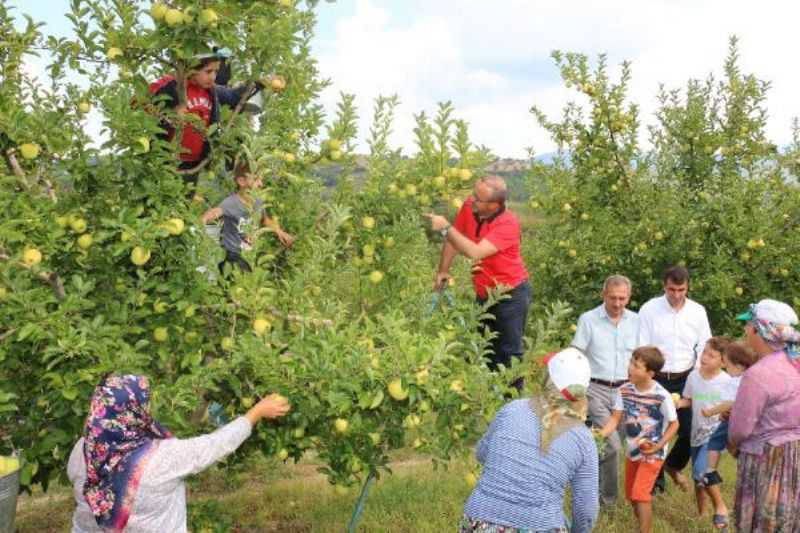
(699,461)
(719,439)
(508,322)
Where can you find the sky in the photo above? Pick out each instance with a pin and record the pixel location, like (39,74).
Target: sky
(492,59)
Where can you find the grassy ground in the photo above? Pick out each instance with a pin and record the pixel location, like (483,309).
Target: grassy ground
(268,497)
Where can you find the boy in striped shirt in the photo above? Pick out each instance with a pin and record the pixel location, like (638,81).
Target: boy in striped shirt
(648,413)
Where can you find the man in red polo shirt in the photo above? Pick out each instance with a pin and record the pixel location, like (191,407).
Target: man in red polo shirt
(489,234)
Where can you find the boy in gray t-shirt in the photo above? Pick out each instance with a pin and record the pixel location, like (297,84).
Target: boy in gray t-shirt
(242,215)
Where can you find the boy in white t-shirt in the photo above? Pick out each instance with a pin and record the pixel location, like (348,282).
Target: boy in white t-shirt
(704,389)
(737,358)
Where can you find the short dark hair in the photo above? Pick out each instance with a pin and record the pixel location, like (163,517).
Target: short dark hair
(719,343)
(241,169)
(741,354)
(676,274)
(651,356)
(203,63)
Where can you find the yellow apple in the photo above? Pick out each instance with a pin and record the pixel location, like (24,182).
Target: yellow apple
(572,252)
(584,216)
(140,256)
(341,425)
(113,53)
(227,343)
(375,438)
(31,257)
(29,150)
(174,226)
(3,293)
(8,465)
(208,17)
(368,222)
(62,222)
(247,402)
(277,83)
(388,242)
(471,479)
(739,291)
(411,421)
(158,10)
(411,189)
(456,386)
(84,107)
(422,376)
(676,398)
(285,3)
(173,17)
(283,454)
(334,144)
(376,276)
(417,443)
(299,433)
(160,307)
(144,145)
(289,157)
(457,203)
(566,207)
(368,250)
(160,334)
(261,325)
(85,241)
(335,155)
(465,174)
(78,225)
(396,390)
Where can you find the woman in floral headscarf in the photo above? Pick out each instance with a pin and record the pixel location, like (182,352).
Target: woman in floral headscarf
(532,450)
(765,423)
(127,471)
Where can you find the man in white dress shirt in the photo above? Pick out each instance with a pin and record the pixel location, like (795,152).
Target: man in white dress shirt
(679,328)
(608,335)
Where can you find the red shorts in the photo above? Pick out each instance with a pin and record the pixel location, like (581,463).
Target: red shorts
(640,478)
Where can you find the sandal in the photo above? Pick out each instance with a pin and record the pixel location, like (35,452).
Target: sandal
(720,522)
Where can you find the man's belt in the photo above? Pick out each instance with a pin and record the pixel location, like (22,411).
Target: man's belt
(612,384)
(670,376)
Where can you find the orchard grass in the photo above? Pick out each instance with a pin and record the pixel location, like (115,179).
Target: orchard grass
(264,495)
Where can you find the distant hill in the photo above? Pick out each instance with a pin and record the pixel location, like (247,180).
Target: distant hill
(513,170)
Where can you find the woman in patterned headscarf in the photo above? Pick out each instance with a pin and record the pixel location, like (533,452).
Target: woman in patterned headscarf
(532,450)
(127,471)
(765,423)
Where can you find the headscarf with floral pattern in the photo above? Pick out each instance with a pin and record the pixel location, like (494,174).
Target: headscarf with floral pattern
(120,436)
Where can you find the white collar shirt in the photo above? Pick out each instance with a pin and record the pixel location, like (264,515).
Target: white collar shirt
(680,335)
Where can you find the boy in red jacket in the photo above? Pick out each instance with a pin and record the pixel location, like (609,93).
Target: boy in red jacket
(203,99)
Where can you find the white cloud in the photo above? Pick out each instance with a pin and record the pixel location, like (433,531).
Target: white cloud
(492,58)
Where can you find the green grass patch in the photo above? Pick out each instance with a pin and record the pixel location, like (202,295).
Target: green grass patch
(265,496)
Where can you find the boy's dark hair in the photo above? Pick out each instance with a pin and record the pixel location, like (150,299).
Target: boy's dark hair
(719,343)
(676,274)
(651,356)
(741,354)
(203,63)
(242,169)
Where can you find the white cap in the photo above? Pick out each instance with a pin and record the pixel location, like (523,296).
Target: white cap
(567,368)
(771,311)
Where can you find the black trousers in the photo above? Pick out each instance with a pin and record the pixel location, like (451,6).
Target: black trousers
(508,322)
(681,450)
(236,260)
